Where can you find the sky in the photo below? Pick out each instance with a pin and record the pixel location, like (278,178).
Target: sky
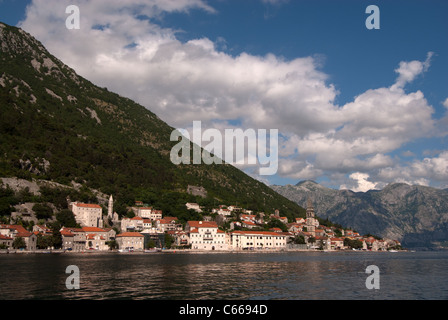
(355,108)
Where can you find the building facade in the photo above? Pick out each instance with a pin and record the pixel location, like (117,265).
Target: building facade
(89,215)
(311,222)
(257,240)
(130,240)
(205,235)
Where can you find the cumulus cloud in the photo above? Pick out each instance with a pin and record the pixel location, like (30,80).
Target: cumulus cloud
(419,171)
(360,183)
(408,71)
(121,46)
(183,82)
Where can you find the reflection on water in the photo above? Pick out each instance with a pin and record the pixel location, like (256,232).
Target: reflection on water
(237,276)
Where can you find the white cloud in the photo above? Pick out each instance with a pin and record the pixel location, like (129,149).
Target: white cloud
(360,183)
(408,71)
(183,82)
(300,170)
(419,171)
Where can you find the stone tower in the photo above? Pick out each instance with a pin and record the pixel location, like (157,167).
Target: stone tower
(310,220)
(110,208)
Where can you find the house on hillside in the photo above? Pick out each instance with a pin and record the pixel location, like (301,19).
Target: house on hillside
(89,215)
(134,224)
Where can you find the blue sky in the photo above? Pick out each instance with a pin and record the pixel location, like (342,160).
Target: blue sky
(356,108)
(355,58)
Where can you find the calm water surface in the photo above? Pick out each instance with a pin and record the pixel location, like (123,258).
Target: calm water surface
(226,276)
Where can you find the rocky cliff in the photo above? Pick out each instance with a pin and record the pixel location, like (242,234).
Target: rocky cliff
(415,215)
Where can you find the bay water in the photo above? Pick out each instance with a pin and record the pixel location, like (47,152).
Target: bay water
(226,276)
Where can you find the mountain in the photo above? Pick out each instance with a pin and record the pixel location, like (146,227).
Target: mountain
(415,215)
(57,126)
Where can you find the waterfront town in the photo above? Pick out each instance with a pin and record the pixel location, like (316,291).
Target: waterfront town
(227,228)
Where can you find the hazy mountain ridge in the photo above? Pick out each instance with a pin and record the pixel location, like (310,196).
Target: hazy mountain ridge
(57,126)
(415,215)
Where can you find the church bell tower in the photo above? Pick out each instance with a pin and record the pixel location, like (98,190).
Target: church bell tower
(110,208)
(310,220)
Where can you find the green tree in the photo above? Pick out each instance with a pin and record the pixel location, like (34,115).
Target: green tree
(113,244)
(24,195)
(19,243)
(7,199)
(338,232)
(355,244)
(56,237)
(42,211)
(150,244)
(44,242)
(275,223)
(299,239)
(168,241)
(66,218)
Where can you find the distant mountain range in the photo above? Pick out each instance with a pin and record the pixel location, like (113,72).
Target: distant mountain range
(415,215)
(57,126)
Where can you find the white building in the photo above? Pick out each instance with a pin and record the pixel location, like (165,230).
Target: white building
(131,240)
(149,213)
(132,224)
(205,235)
(181,238)
(256,240)
(89,215)
(167,224)
(143,212)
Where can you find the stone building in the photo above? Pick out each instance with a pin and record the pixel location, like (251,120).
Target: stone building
(88,215)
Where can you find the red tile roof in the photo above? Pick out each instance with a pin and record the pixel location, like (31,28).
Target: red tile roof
(266,233)
(16,227)
(67,233)
(25,234)
(87,205)
(202,224)
(130,234)
(92,229)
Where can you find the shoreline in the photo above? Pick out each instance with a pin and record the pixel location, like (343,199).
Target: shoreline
(192,251)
